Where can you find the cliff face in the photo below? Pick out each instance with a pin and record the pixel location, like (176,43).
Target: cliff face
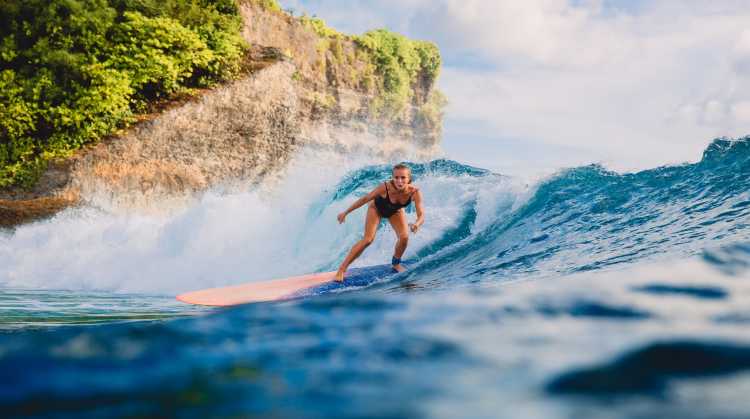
(301,89)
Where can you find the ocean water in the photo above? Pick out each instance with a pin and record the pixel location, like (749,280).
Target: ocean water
(587,293)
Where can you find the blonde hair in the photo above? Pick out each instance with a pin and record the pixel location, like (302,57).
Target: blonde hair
(402,166)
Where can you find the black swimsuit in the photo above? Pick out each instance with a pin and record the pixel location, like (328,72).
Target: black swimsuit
(385,207)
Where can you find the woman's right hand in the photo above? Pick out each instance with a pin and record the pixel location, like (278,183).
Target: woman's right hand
(341,217)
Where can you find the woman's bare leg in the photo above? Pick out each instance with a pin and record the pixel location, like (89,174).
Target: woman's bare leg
(371,227)
(401,228)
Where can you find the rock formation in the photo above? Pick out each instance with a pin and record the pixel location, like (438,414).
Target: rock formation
(300,89)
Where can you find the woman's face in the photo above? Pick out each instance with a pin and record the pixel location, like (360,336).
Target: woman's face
(401,178)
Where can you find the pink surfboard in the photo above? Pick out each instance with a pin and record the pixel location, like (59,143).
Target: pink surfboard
(285,288)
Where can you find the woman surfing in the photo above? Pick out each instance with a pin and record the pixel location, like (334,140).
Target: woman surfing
(387,200)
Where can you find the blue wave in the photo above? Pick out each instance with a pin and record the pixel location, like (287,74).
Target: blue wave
(586,218)
(365,179)
(663,338)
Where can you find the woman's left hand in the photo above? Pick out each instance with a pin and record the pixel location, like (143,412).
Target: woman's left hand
(413,228)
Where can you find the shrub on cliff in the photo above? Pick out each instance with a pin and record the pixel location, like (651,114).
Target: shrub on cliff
(402,62)
(319,26)
(266,4)
(72,71)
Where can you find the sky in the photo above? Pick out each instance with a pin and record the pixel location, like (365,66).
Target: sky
(535,85)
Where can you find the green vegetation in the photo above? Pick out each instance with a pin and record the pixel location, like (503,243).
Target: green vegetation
(431,113)
(330,39)
(319,26)
(401,62)
(267,4)
(73,71)
(323,100)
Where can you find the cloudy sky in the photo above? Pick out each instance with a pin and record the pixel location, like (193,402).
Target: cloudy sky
(540,84)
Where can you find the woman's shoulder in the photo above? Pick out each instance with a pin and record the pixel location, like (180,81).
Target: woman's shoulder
(381,188)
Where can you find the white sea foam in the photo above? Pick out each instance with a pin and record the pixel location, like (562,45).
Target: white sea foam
(268,232)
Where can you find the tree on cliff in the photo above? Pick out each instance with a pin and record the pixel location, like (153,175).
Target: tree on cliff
(72,71)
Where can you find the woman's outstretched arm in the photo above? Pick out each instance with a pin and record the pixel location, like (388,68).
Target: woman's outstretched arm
(379,190)
(420,212)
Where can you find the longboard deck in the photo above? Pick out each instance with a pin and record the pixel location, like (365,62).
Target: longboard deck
(285,288)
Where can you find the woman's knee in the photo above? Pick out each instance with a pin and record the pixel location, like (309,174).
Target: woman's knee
(367,240)
(403,238)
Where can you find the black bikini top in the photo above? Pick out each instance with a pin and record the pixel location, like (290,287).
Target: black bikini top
(386,206)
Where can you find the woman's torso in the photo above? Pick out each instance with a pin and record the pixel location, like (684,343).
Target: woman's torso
(386,207)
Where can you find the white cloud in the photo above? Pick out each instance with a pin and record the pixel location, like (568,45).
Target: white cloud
(714,112)
(637,84)
(741,112)
(742,53)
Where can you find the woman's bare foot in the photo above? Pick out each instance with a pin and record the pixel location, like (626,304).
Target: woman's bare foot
(399,268)
(339,276)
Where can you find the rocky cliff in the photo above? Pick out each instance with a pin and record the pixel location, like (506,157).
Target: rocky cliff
(304,85)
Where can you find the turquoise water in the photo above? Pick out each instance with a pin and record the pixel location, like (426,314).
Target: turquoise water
(24,309)
(588,293)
